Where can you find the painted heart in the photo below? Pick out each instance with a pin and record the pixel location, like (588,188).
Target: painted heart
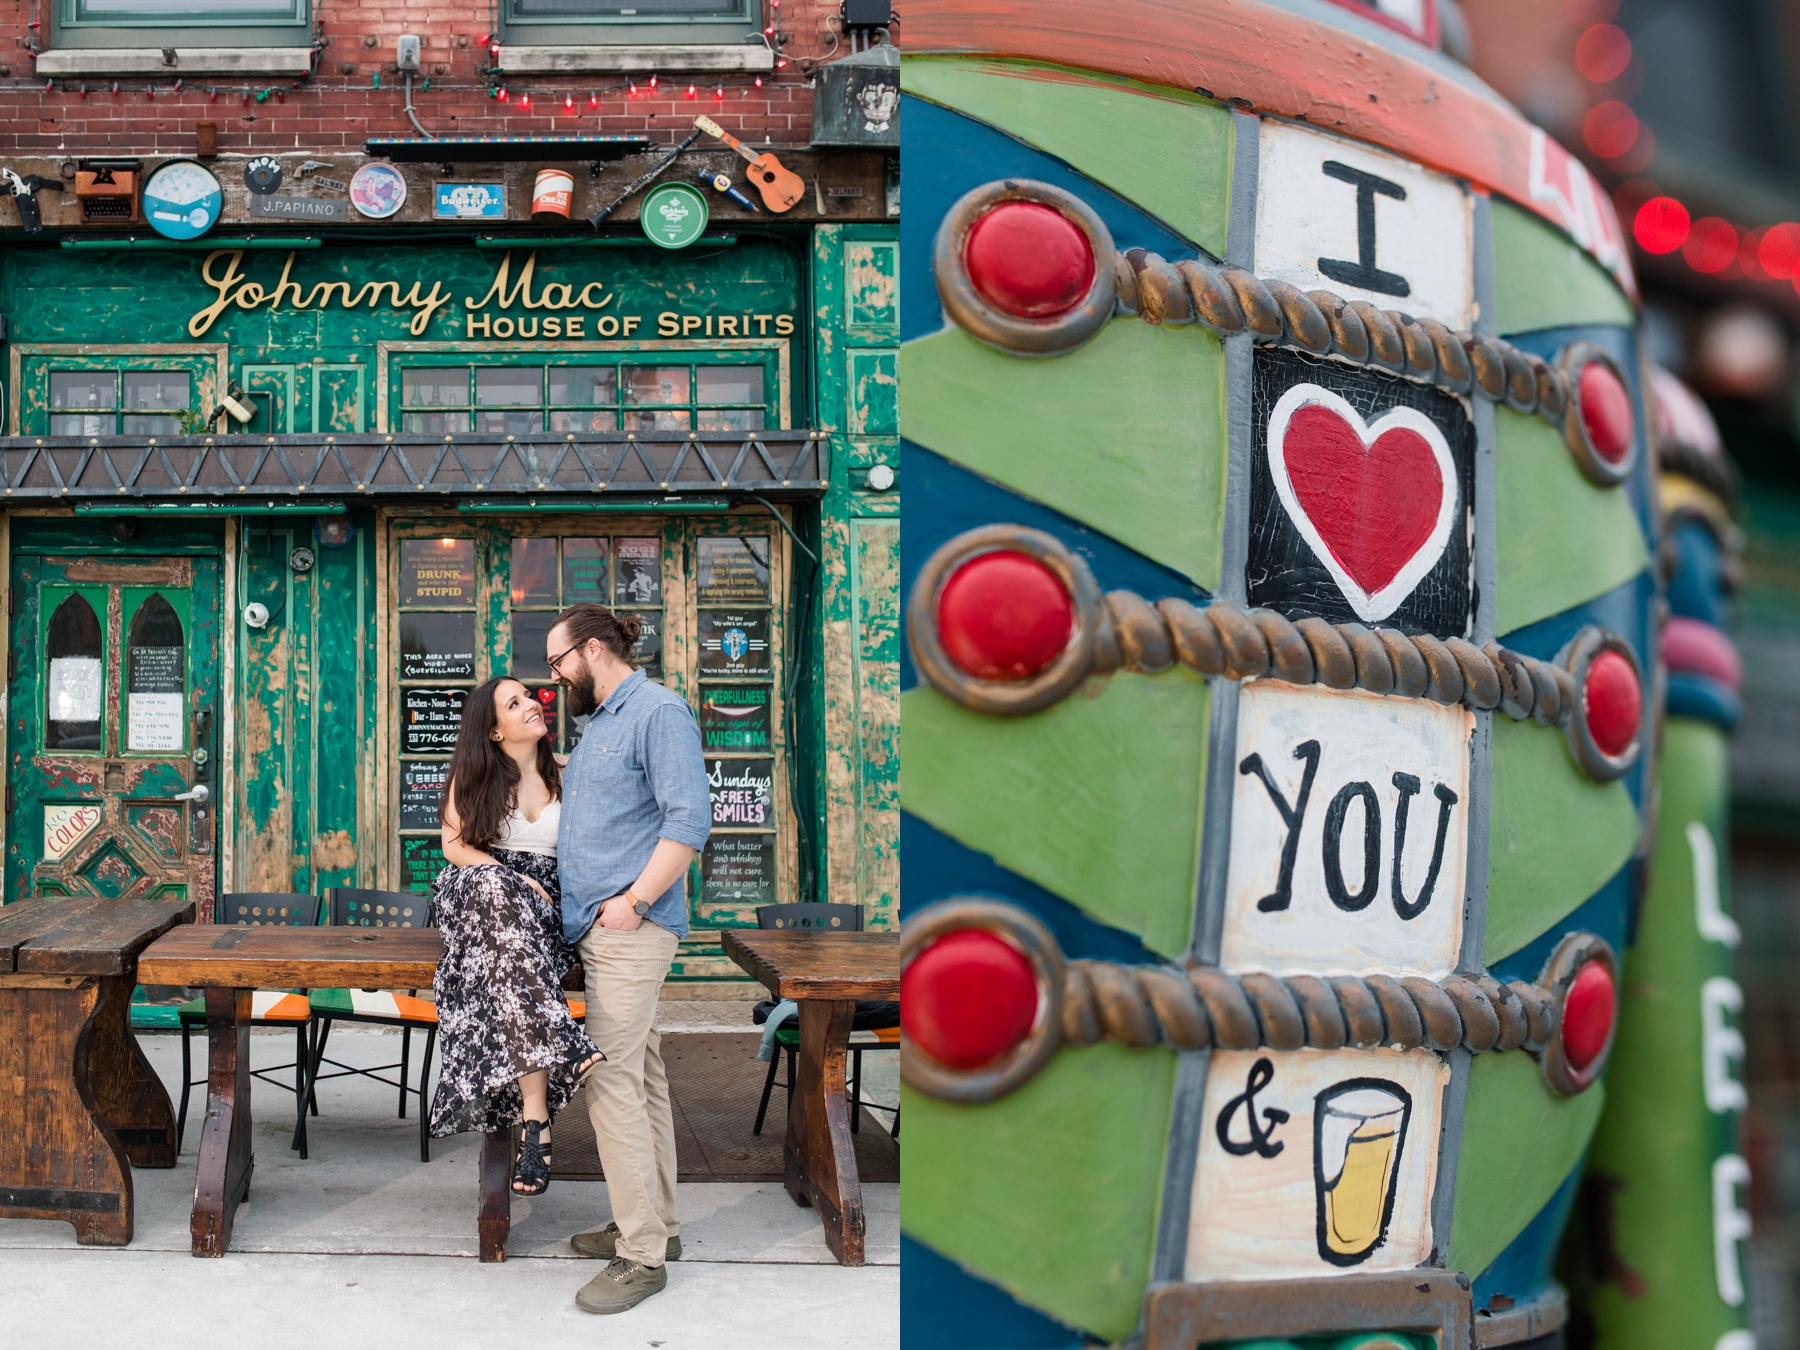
(1374,501)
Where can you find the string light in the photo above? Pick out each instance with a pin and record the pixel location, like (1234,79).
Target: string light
(524,100)
(759,82)
(594,99)
(720,95)
(690,91)
(633,90)
(568,103)
(653,81)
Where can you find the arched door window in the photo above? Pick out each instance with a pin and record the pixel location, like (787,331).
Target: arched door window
(155,678)
(72,719)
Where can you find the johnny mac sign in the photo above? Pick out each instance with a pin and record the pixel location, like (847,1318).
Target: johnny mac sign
(582,308)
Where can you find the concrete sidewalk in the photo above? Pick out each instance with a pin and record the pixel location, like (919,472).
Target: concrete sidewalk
(364,1245)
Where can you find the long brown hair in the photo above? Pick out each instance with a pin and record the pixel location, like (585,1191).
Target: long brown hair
(483,777)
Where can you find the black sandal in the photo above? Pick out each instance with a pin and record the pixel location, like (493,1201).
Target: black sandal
(533,1164)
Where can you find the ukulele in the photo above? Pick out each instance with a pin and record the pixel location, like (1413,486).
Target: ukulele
(781,188)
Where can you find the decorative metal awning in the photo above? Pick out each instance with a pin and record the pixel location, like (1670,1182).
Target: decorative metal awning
(543,471)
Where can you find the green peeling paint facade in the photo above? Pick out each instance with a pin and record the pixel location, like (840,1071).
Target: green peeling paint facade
(311,784)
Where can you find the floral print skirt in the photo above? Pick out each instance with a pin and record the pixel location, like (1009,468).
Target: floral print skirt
(499,997)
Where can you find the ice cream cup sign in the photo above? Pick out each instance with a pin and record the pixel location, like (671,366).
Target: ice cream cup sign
(1359,1130)
(674,215)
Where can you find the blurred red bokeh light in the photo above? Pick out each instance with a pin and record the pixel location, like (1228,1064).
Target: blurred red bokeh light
(1661,225)
(1610,129)
(1602,53)
(1779,252)
(1712,245)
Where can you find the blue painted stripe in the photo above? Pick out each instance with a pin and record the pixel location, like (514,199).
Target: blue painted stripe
(946,154)
(946,499)
(1691,695)
(943,1307)
(938,866)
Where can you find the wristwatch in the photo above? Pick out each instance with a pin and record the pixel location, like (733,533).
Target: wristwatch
(639,907)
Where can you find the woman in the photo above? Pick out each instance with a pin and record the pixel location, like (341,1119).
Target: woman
(511,1051)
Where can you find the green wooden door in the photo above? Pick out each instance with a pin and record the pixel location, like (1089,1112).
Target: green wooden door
(112,737)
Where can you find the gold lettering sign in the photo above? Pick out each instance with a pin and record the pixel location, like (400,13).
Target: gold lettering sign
(233,289)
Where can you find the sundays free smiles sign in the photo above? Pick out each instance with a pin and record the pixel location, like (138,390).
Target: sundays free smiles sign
(554,309)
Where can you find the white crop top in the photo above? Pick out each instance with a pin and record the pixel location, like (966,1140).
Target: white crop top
(532,836)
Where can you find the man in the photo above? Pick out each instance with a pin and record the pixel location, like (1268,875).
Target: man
(635,813)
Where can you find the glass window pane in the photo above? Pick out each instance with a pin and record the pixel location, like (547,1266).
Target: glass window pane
(149,424)
(731,419)
(502,386)
(530,633)
(81,424)
(584,571)
(730,384)
(163,390)
(647,652)
(666,419)
(437,572)
(435,424)
(516,422)
(534,571)
(586,384)
(72,711)
(563,420)
(434,386)
(437,646)
(656,384)
(83,388)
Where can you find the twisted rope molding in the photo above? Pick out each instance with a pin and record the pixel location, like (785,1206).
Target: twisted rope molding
(1120,630)
(1203,1007)
(1229,300)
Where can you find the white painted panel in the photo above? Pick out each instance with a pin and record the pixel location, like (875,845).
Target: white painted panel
(1307,210)
(1351,921)
(1337,1176)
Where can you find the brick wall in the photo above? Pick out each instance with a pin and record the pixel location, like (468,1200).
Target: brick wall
(339,107)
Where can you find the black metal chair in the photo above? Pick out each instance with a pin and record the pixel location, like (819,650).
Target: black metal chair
(378,909)
(878,1018)
(269,1007)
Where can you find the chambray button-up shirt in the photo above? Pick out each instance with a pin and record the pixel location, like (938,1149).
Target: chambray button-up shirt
(637,776)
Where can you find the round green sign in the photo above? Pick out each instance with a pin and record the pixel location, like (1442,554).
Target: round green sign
(674,215)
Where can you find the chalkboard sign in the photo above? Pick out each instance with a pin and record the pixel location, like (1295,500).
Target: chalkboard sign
(734,643)
(429,720)
(420,862)
(421,785)
(743,792)
(437,572)
(584,571)
(637,572)
(437,646)
(647,654)
(155,682)
(734,571)
(739,869)
(734,717)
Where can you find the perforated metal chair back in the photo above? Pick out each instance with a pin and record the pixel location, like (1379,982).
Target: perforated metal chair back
(811,918)
(278,909)
(379,909)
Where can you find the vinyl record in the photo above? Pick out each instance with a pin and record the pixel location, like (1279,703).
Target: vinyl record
(262,175)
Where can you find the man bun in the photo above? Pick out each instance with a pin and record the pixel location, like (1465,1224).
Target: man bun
(589,622)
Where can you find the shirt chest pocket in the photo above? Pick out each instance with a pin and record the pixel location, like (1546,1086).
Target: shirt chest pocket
(605,764)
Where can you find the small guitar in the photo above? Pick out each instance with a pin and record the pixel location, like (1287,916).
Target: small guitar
(781,188)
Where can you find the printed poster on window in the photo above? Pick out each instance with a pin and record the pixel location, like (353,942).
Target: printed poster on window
(734,717)
(429,720)
(156,680)
(437,646)
(743,792)
(734,570)
(421,787)
(734,644)
(420,862)
(637,571)
(739,869)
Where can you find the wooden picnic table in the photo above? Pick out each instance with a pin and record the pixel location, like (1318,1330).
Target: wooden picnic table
(825,973)
(80,1106)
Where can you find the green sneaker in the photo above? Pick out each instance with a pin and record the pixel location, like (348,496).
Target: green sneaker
(621,1286)
(603,1243)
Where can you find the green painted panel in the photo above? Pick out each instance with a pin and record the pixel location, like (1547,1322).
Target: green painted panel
(1658,1140)
(1126,434)
(1051,1192)
(1562,541)
(1543,280)
(872,391)
(344,642)
(1097,798)
(1118,132)
(1555,836)
(1519,1142)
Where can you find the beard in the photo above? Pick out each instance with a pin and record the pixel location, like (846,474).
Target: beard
(582,698)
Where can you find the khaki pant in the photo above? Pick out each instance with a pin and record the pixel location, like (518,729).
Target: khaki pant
(628,1096)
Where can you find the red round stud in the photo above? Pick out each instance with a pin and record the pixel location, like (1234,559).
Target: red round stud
(1004,616)
(1029,260)
(1606,412)
(1613,702)
(1587,1017)
(968,998)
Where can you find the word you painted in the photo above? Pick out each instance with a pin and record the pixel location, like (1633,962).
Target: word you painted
(1349,833)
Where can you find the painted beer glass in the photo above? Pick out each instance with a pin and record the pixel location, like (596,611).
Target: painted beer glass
(1281,681)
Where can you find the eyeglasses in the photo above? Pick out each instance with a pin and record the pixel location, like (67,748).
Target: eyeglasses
(556,661)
